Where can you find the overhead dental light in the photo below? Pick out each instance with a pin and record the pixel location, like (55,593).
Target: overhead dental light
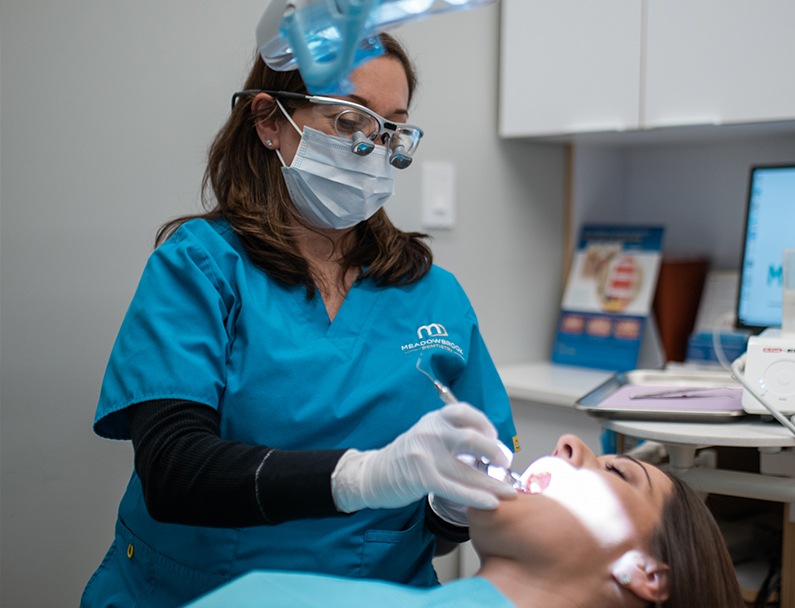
(327,39)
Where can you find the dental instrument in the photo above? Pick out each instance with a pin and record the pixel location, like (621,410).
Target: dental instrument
(679,393)
(480,463)
(445,394)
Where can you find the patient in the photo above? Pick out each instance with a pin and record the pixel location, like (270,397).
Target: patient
(627,535)
(604,531)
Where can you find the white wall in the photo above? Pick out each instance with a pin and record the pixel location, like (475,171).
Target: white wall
(506,245)
(107,110)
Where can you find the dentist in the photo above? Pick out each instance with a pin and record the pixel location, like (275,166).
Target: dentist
(266,370)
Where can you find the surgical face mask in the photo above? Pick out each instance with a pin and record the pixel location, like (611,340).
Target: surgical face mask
(333,188)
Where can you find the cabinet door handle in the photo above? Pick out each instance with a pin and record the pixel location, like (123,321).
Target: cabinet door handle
(683,121)
(595,127)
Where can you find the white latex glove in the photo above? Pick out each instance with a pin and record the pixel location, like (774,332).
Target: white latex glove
(423,460)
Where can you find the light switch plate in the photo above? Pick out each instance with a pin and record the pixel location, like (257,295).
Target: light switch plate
(438,195)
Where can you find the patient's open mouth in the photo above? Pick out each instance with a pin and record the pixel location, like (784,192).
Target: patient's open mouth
(537,482)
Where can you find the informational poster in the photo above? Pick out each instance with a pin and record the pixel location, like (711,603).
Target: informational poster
(608,296)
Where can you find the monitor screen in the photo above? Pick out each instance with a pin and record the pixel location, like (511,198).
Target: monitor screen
(769,229)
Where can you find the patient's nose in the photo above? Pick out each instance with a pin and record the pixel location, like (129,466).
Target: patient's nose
(572,449)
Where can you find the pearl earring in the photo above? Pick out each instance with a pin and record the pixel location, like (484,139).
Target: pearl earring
(269,142)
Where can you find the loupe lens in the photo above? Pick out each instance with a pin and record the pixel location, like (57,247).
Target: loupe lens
(361,145)
(399,158)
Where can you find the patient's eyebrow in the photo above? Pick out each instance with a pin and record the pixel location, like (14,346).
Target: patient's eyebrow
(639,463)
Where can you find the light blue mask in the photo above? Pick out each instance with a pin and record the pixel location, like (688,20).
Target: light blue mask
(333,188)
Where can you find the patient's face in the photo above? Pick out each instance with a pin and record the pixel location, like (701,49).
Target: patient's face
(577,504)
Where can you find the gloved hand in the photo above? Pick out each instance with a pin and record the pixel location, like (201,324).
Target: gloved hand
(454,512)
(423,460)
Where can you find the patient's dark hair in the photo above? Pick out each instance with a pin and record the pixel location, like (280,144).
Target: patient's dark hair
(701,573)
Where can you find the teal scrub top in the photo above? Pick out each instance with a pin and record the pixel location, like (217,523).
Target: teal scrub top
(295,590)
(208,326)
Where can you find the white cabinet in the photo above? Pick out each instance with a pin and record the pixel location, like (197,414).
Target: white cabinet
(719,62)
(572,67)
(569,66)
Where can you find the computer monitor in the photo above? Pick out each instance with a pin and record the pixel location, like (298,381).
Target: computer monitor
(769,229)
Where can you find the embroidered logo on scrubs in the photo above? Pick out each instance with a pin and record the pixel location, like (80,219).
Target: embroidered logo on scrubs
(432,329)
(432,335)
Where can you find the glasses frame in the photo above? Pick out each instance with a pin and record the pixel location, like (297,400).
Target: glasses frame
(362,143)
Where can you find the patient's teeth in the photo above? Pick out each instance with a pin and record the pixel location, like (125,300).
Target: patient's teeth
(538,482)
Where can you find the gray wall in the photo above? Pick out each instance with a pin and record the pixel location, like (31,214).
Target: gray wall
(107,110)
(697,189)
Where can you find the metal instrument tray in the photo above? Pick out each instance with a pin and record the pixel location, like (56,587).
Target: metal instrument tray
(670,396)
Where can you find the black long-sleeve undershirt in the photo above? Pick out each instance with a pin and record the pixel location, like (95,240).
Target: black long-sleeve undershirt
(192,476)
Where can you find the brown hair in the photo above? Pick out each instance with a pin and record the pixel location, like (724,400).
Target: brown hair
(243,184)
(689,541)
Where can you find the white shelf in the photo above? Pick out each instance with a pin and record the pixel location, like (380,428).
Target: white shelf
(748,432)
(551,384)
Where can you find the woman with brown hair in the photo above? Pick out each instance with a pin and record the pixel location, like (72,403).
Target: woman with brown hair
(266,370)
(601,532)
